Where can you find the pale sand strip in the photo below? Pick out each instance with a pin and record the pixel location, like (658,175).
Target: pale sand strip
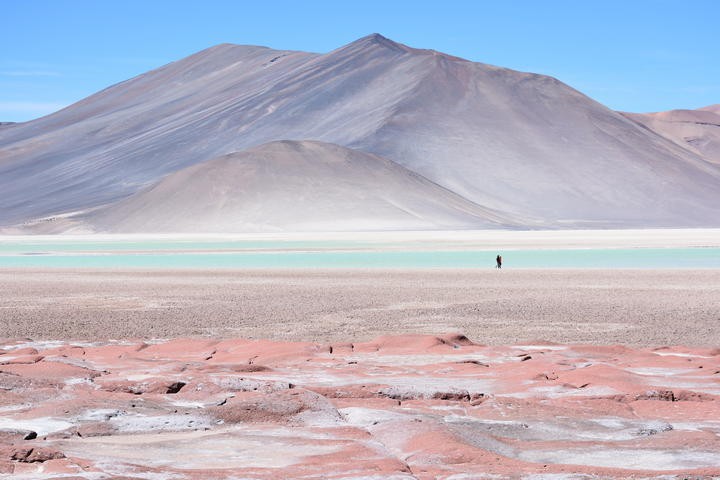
(476,239)
(633,307)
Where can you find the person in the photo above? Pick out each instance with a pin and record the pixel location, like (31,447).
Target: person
(498,260)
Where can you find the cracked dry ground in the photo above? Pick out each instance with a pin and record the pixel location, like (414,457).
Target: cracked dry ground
(397,407)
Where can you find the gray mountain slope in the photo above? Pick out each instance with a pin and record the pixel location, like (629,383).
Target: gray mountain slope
(130,135)
(528,143)
(524,144)
(696,130)
(290,185)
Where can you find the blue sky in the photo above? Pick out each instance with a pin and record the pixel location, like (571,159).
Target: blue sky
(633,55)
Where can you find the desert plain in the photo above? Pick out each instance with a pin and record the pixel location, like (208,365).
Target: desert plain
(639,308)
(402,373)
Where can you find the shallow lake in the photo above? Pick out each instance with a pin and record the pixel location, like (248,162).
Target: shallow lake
(333,254)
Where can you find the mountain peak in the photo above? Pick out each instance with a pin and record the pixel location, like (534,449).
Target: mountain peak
(375,40)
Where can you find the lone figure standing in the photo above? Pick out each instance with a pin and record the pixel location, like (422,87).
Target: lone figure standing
(498,260)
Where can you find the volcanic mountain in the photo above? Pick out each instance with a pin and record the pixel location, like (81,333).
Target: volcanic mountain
(487,146)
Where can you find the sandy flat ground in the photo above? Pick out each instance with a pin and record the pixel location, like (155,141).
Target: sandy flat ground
(632,307)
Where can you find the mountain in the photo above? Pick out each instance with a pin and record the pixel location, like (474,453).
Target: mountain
(127,137)
(292,185)
(695,130)
(711,108)
(520,145)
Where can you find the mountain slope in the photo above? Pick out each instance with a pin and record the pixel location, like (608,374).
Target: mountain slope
(524,144)
(696,130)
(292,185)
(130,135)
(529,144)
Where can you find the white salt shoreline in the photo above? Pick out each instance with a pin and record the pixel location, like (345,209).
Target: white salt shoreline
(475,239)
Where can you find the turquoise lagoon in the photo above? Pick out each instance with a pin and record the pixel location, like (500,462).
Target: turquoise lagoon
(331,254)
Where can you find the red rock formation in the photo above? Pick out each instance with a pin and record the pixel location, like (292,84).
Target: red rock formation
(400,407)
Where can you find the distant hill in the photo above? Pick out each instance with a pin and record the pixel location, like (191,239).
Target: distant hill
(712,108)
(696,130)
(526,147)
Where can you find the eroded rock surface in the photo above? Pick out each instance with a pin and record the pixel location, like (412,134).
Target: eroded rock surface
(397,407)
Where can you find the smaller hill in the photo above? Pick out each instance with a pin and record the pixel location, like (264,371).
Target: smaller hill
(293,186)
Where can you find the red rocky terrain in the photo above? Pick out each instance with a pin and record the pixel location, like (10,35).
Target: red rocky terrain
(397,407)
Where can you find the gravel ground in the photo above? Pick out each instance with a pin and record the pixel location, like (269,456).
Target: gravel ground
(632,307)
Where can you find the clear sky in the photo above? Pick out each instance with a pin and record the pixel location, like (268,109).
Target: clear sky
(632,55)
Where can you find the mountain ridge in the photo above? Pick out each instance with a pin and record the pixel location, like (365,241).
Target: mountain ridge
(521,143)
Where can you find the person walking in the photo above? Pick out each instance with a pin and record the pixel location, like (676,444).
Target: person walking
(498,260)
